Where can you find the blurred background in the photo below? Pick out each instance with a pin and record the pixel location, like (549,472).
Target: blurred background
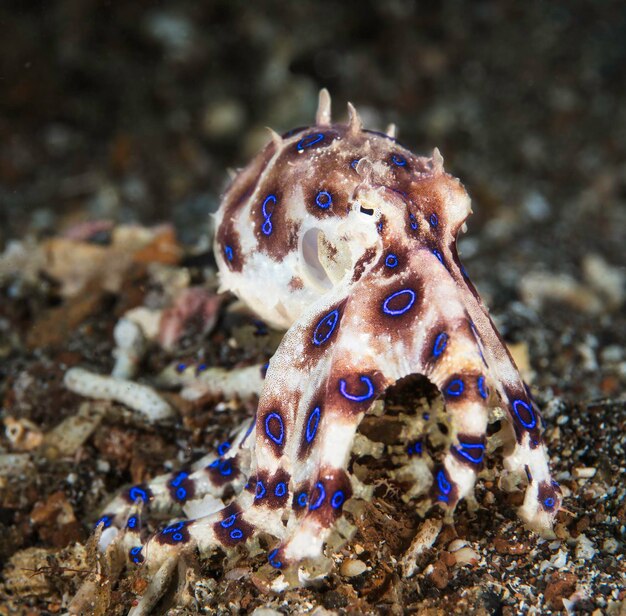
(134,111)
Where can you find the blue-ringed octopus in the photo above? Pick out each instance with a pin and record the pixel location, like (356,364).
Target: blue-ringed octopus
(346,240)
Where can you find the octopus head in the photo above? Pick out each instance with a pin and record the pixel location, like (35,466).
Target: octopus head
(319,205)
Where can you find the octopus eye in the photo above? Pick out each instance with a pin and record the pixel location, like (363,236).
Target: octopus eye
(366,210)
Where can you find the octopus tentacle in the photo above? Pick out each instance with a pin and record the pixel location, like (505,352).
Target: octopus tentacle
(529,456)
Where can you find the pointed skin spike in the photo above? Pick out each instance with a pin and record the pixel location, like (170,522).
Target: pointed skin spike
(392,131)
(354,122)
(437,161)
(323,108)
(276,138)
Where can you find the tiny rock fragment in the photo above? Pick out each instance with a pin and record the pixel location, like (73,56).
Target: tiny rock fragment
(425,539)
(23,434)
(65,438)
(585,550)
(584,472)
(438,574)
(352,567)
(504,546)
(560,586)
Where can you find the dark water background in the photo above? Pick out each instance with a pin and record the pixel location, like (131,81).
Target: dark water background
(134,110)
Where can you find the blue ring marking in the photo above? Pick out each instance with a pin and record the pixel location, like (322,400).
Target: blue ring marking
(270,198)
(201,368)
(330,320)
(132,521)
(215,463)
(236,533)
(529,425)
(229,521)
(135,554)
(173,528)
(323,199)
(482,390)
(136,492)
(443,483)
(415,448)
(267,227)
(223,448)
(177,537)
(281,489)
(226,468)
(275,563)
(426,416)
(180,367)
(398,160)
(179,479)
(105,520)
(399,311)
(319,486)
(413,221)
(379,226)
(438,255)
(353,397)
(308,141)
(548,502)
(464,272)
(391,260)
(337,500)
(181,494)
(228,252)
(441,341)
(354,163)
(303,499)
(434,220)
(463,450)
(312,424)
(455,388)
(259,491)
(277,439)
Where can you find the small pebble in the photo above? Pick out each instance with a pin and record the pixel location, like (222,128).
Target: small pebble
(352,568)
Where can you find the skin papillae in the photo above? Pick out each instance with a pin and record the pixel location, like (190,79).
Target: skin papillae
(347,240)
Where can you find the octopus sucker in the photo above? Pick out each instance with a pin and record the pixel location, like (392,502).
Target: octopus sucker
(368,230)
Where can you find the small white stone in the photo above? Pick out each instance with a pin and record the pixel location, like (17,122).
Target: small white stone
(584,473)
(466,556)
(610,545)
(585,549)
(352,568)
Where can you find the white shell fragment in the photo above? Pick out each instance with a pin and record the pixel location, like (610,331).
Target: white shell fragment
(137,397)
